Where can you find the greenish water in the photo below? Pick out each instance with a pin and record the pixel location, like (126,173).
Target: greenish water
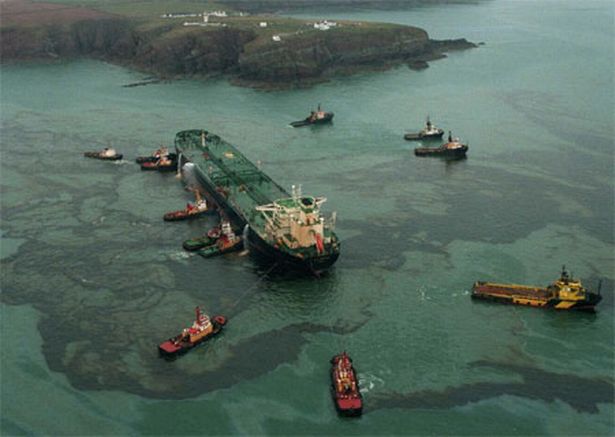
(93,279)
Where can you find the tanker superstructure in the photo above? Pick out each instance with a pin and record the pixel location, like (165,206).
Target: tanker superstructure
(286,228)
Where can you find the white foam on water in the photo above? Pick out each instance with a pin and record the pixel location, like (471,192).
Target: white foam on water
(188,174)
(180,255)
(98,220)
(246,240)
(368,382)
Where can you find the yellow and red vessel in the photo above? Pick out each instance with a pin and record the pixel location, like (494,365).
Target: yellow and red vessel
(202,329)
(566,293)
(345,386)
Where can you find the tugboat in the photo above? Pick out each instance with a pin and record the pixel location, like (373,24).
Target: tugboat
(566,293)
(315,117)
(452,149)
(106,154)
(429,132)
(163,151)
(191,211)
(163,163)
(345,386)
(227,242)
(197,243)
(202,329)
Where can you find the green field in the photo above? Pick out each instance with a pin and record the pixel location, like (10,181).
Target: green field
(149,13)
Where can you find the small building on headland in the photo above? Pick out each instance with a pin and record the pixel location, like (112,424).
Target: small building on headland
(180,15)
(325,25)
(206,21)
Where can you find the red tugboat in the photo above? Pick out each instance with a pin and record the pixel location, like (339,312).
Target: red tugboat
(345,386)
(202,329)
(191,211)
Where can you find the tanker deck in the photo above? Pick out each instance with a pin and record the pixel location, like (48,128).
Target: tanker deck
(287,228)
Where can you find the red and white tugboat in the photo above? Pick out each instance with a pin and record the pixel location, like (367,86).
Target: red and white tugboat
(191,211)
(202,329)
(345,386)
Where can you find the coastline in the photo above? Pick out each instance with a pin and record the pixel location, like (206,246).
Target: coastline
(287,53)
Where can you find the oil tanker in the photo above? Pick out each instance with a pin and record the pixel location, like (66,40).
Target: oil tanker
(286,228)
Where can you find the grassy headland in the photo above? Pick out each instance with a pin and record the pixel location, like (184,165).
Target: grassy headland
(286,52)
(268,6)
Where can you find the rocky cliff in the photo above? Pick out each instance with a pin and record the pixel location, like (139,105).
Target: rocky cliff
(108,37)
(320,54)
(242,52)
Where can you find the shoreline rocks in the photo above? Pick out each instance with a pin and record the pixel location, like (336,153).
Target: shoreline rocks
(244,55)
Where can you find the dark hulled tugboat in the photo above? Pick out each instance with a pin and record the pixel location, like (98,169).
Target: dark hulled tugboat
(429,132)
(165,163)
(106,154)
(200,242)
(202,329)
(566,293)
(315,117)
(345,386)
(452,149)
(226,242)
(163,151)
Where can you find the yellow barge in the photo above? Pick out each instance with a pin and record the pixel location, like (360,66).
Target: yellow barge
(566,293)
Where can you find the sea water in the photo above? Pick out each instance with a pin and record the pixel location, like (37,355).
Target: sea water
(93,279)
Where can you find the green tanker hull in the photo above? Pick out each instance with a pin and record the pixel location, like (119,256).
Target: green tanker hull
(239,188)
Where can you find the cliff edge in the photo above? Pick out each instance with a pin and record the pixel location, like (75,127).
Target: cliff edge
(285,52)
